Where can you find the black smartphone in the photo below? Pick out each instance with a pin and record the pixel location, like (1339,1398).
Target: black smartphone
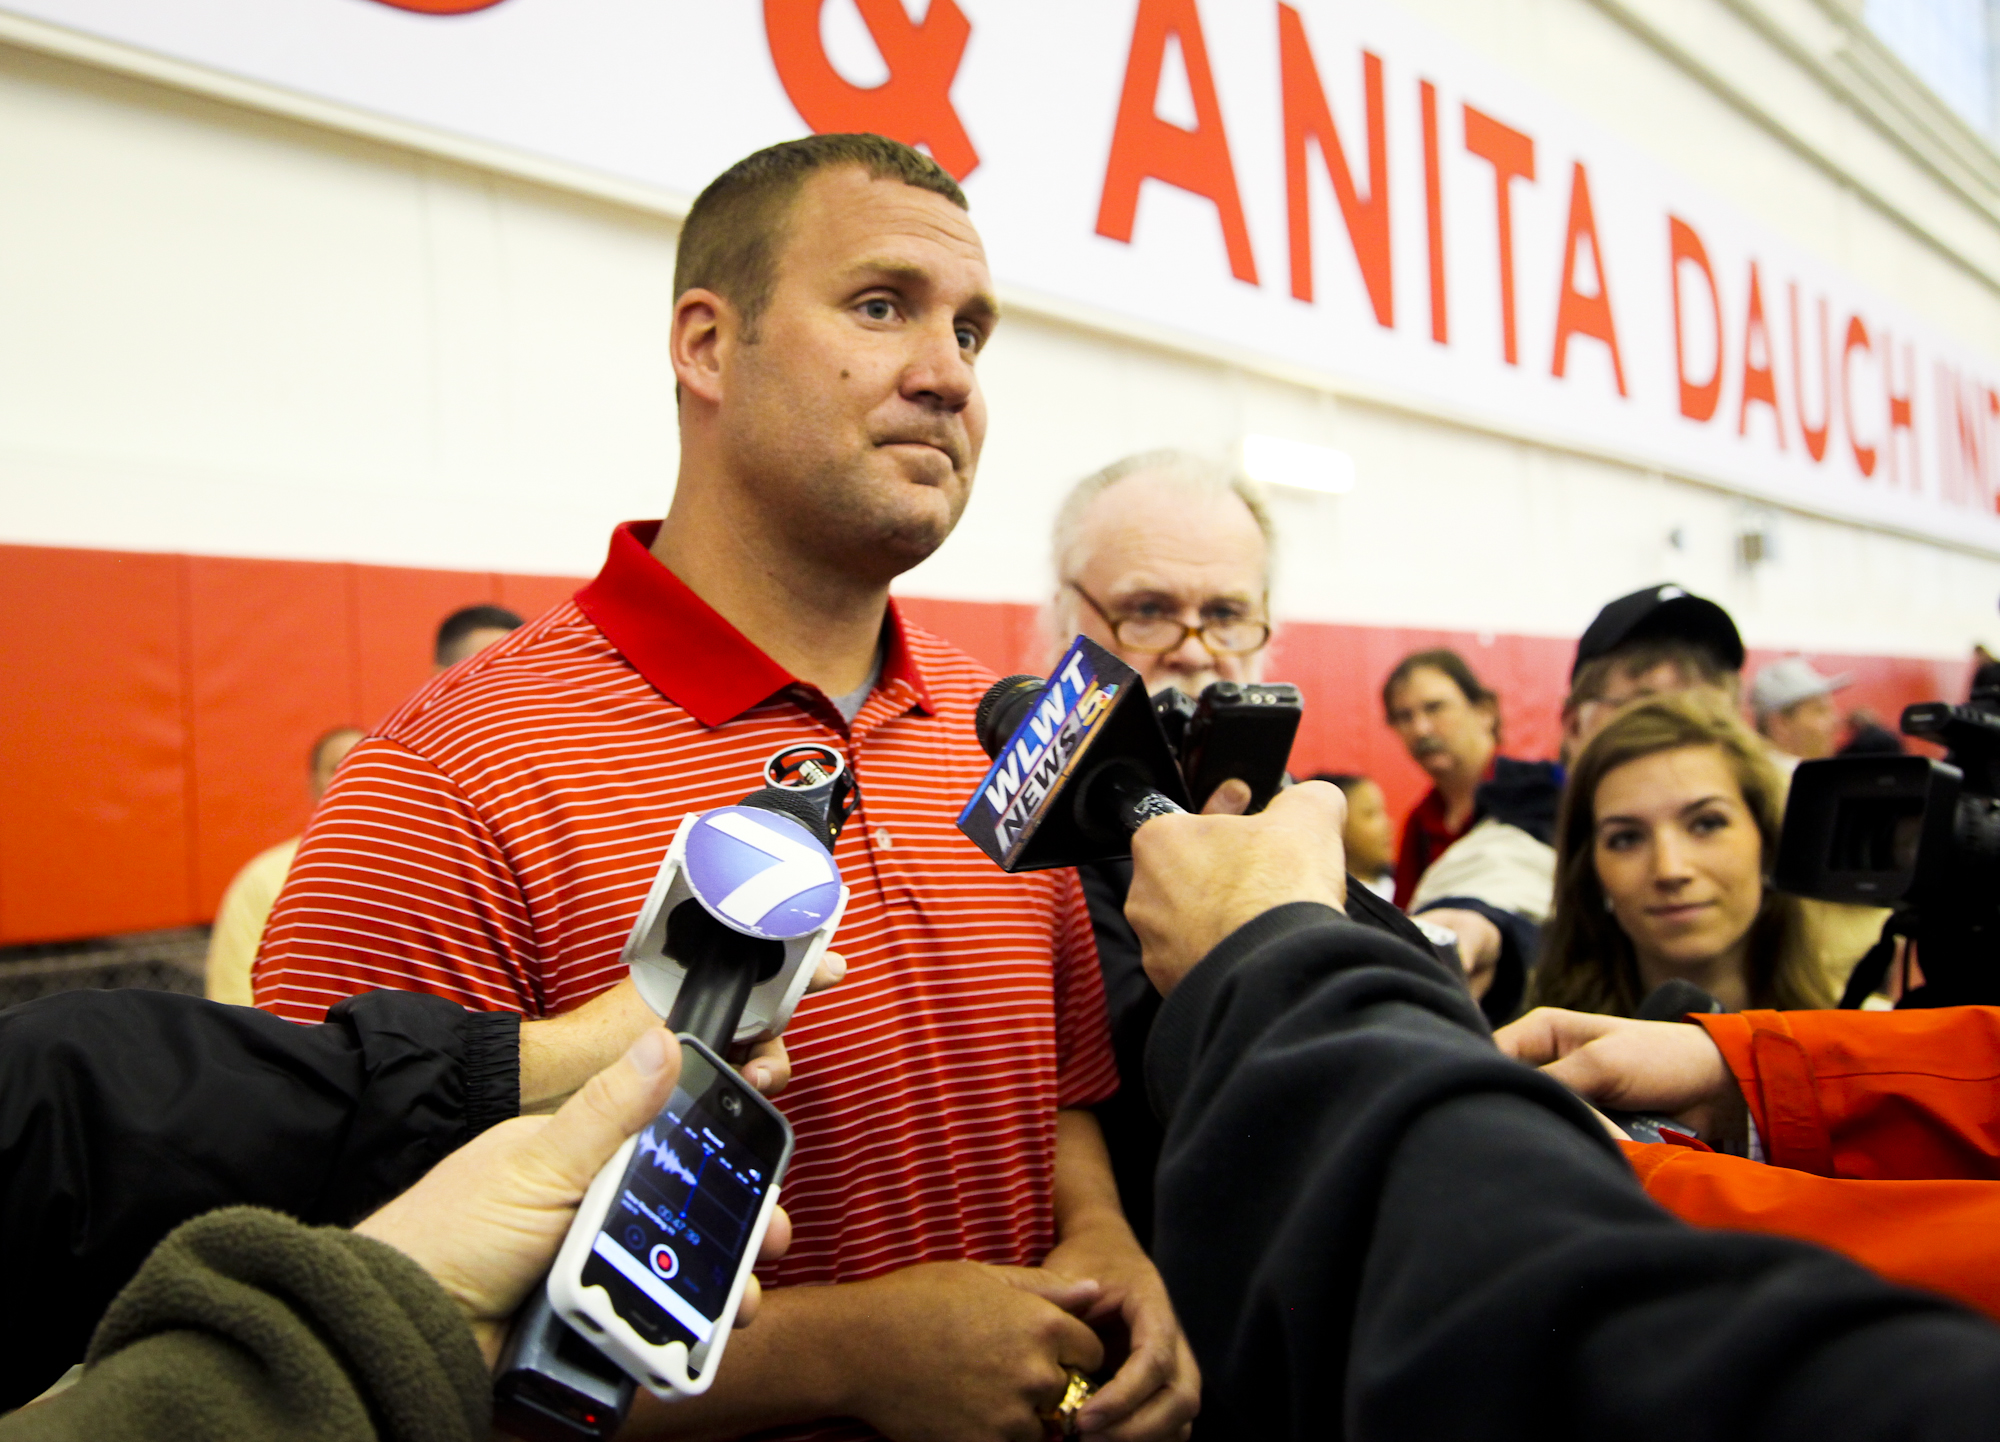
(1243,730)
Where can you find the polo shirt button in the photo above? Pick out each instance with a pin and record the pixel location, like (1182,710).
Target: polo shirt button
(883,839)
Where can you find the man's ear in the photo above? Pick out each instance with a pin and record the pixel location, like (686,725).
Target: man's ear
(705,328)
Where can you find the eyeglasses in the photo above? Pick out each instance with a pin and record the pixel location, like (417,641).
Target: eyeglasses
(1157,635)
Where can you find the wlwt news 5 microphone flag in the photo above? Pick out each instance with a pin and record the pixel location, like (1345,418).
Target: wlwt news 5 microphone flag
(1094,707)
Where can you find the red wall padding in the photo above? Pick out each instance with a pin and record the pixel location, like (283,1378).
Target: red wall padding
(94,775)
(158,709)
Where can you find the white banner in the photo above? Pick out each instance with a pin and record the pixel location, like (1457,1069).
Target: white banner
(1327,184)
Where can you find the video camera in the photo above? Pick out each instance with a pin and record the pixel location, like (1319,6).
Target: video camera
(1918,835)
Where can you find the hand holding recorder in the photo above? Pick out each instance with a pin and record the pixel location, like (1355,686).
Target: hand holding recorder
(657,1261)
(1614,1062)
(1195,879)
(487,1219)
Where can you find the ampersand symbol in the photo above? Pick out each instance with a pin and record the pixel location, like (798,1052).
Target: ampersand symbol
(440,7)
(913,105)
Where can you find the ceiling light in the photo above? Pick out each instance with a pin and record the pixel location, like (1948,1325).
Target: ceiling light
(1274,461)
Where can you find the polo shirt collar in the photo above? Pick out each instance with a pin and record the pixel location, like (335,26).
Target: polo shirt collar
(689,653)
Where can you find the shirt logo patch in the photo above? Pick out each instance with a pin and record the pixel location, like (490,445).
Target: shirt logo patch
(803,767)
(761,872)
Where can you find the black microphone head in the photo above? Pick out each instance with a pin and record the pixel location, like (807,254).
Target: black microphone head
(1003,708)
(1048,740)
(805,807)
(1672,1001)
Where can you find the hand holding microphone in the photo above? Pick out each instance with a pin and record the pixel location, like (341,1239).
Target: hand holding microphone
(1083,760)
(1195,879)
(656,1264)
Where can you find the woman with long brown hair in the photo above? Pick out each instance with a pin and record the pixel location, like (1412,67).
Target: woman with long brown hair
(1668,831)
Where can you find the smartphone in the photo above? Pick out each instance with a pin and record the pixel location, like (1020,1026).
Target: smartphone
(1242,730)
(655,1263)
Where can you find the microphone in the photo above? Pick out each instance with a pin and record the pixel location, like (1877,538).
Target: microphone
(1080,762)
(745,904)
(1673,999)
(726,943)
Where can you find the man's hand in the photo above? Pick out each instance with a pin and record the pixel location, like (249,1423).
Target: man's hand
(964,1352)
(560,1053)
(1157,1389)
(1626,1065)
(1195,879)
(1479,944)
(487,1220)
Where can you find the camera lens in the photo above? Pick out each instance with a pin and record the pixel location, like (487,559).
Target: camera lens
(732,1103)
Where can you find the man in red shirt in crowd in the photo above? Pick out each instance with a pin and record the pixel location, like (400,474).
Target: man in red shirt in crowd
(494,840)
(1450,724)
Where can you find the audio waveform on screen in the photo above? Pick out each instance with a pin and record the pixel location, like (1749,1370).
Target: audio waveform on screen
(662,1155)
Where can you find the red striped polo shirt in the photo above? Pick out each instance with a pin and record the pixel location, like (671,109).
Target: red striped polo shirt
(492,842)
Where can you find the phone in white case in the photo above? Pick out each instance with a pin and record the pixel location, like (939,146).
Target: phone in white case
(665,1240)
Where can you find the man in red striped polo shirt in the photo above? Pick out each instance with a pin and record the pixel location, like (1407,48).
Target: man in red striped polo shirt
(493,841)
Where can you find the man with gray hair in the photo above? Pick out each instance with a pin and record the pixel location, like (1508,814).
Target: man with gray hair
(1164,558)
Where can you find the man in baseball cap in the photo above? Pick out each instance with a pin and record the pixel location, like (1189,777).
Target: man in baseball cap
(1652,642)
(1795,712)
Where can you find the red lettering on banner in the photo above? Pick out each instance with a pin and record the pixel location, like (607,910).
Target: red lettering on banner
(1815,439)
(1857,339)
(1434,208)
(1900,415)
(1964,447)
(1759,381)
(1308,121)
(1144,147)
(1577,313)
(1698,401)
(440,7)
(913,105)
(1512,156)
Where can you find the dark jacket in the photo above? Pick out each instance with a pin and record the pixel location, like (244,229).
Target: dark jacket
(245,1326)
(125,1113)
(1132,1132)
(1374,1225)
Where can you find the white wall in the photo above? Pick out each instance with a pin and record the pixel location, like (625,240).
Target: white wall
(226,332)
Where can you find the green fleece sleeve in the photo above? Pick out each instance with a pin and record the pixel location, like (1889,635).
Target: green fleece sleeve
(248,1324)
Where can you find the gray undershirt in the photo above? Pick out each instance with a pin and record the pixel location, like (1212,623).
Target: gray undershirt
(849,706)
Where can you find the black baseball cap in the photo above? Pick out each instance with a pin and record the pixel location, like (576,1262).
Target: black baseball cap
(1664,612)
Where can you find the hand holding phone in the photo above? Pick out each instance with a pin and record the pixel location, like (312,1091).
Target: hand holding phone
(656,1262)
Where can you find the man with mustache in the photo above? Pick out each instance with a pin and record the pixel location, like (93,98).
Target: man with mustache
(1450,724)
(953,1206)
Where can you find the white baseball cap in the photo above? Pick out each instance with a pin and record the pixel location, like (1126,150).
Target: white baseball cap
(1781,685)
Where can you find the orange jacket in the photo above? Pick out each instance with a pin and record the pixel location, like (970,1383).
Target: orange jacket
(1882,1131)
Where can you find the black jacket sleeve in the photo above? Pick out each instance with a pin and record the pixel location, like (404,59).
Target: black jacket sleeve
(125,1113)
(1132,1130)
(1132,1134)
(1374,1225)
(244,1326)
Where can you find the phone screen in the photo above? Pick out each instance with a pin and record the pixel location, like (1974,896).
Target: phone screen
(668,1251)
